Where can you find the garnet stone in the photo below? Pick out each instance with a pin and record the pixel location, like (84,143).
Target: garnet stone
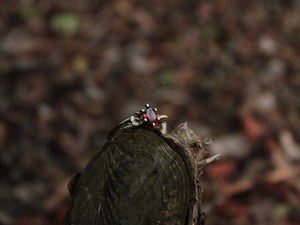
(150,115)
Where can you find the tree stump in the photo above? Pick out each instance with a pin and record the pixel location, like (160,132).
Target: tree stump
(141,177)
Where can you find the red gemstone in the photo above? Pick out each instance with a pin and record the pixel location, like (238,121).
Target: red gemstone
(150,115)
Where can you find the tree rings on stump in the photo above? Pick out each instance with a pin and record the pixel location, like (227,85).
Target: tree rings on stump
(139,177)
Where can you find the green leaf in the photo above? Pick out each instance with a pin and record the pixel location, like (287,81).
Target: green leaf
(66,23)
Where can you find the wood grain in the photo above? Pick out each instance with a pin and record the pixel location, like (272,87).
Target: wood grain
(139,177)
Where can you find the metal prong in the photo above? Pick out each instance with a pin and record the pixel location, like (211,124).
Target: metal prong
(147,105)
(163,127)
(209,160)
(142,110)
(162,117)
(155,109)
(145,120)
(153,124)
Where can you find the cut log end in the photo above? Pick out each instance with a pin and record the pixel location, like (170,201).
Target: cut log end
(140,177)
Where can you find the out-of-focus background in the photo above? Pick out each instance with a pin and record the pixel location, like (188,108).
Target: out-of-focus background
(71,70)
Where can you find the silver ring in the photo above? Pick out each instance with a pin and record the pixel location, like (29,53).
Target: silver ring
(146,115)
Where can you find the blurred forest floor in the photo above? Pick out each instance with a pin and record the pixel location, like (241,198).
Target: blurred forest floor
(71,70)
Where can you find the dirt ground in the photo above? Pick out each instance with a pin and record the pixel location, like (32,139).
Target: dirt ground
(71,70)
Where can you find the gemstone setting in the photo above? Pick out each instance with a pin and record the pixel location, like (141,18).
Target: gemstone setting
(150,114)
(146,115)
